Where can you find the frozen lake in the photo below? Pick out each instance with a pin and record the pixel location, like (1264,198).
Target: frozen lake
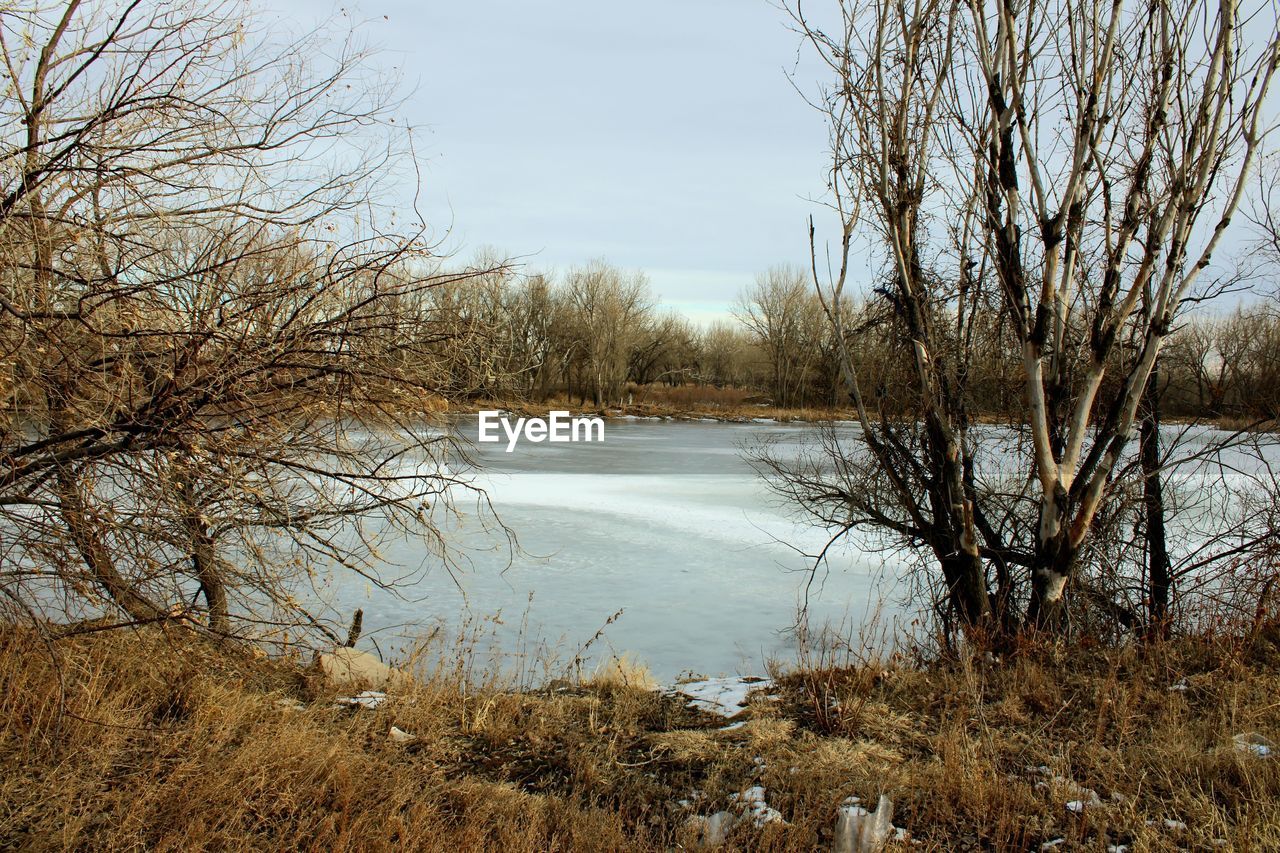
(665,521)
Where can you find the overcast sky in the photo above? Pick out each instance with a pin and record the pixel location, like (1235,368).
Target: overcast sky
(664,135)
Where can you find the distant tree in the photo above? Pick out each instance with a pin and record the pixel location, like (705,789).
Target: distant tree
(531,312)
(664,349)
(607,307)
(726,355)
(783,315)
(498,323)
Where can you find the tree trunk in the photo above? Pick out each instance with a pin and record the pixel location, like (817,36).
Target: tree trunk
(204,555)
(1159,570)
(83,527)
(1047,607)
(967,587)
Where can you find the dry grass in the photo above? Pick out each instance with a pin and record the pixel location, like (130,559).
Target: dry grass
(620,672)
(685,397)
(156,740)
(1236,423)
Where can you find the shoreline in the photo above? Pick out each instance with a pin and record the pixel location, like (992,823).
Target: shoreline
(657,412)
(764,413)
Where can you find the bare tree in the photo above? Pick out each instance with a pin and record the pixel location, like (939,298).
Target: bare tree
(606,306)
(215,336)
(785,319)
(725,355)
(664,349)
(1082,163)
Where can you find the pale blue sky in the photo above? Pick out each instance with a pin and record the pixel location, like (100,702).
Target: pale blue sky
(663,135)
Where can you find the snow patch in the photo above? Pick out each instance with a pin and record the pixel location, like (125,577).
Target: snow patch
(1254,744)
(753,805)
(370,699)
(398,735)
(712,830)
(724,696)
(1078,806)
(862,831)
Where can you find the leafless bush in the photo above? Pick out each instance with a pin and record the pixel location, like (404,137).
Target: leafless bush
(216,333)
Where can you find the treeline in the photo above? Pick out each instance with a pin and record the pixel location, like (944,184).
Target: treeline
(595,331)
(587,333)
(1225,366)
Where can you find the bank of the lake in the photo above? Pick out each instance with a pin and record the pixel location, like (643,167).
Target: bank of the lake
(156,739)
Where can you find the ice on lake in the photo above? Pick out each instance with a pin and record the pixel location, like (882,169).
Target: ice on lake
(665,521)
